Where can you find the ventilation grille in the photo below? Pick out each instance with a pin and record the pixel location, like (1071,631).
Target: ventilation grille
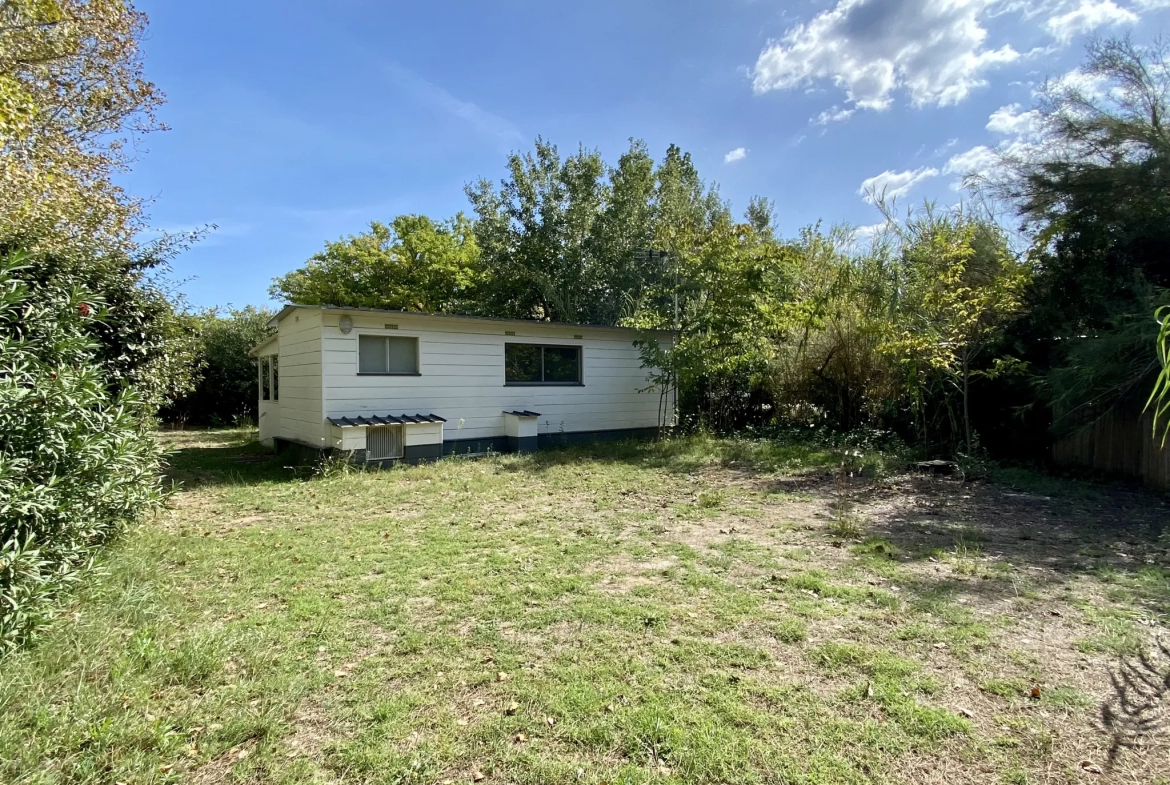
(383,442)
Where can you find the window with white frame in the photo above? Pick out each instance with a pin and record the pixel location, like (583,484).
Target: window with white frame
(269,377)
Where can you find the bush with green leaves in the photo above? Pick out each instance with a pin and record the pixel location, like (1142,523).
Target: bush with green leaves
(77,464)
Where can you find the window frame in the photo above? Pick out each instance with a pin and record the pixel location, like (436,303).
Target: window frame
(358,354)
(580,382)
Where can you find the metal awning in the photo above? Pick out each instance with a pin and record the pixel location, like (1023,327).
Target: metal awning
(384,419)
(522,413)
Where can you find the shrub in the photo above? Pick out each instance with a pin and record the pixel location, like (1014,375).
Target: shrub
(76,462)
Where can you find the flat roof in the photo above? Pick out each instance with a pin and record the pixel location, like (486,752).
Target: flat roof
(531,322)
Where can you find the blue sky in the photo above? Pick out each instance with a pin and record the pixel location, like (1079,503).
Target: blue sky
(293,123)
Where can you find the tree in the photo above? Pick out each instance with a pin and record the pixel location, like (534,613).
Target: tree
(1095,194)
(732,281)
(72,98)
(414,264)
(961,286)
(72,94)
(225,392)
(535,232)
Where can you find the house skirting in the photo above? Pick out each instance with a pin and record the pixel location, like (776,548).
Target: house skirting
(494,444)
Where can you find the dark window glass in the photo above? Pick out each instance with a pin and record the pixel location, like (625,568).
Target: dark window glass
(265,380)
(562,364)
(275,378)
(521,363)
(372,354)
(531,364)
(384,354)
(403,355)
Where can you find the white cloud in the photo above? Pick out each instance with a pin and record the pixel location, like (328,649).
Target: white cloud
(1089,85)
(864,234)
(1010,121)
(892,185)
(738,154)
(1022,132)
(1086,17)
(833,114)
(935,50)
(979,160)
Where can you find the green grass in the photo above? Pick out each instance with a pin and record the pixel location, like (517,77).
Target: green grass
(625,614)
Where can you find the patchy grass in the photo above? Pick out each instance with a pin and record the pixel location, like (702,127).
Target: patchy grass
(675,612)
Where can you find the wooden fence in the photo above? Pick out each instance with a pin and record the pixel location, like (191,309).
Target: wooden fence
(1118,443)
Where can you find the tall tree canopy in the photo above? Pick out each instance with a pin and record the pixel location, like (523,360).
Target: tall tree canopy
(412,263)
(1095,195)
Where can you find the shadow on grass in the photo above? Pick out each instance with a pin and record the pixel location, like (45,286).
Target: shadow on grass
(226,457)
(1003,542)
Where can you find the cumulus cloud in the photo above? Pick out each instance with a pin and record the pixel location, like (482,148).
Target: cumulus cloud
(738,154)
(892,185)
(833,114)
(935,50)
(1086,17)
(1022,132)
(1010,121)
(977,161)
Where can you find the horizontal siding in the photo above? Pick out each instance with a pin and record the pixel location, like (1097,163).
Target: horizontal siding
(461,377)
(301,412)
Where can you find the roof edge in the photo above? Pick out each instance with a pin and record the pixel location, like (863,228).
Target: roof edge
(287,309)
(255,350)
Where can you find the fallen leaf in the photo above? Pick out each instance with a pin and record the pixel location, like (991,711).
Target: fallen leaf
(461,722)
(165,769)
(1035,692)
(520,738)
(549,721)
(1090,767)
(478,776)
(501,676)
(340,674)
(663,770)
(965,713)
(513,707)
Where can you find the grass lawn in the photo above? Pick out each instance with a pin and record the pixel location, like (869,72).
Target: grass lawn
(691,611)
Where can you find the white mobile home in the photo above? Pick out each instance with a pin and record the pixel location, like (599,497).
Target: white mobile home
(398,385)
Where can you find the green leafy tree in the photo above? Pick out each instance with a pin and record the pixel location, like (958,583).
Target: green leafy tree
(535,234)
(414,263)
(72,97)
(961,286)
(731,282)
(225,392)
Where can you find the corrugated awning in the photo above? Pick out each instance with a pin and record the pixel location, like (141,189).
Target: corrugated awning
(522,413)
(384,419)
